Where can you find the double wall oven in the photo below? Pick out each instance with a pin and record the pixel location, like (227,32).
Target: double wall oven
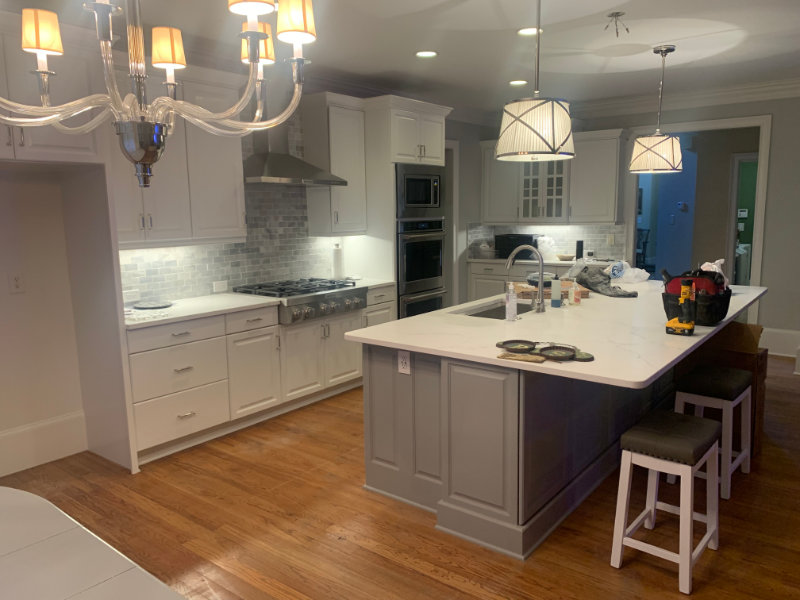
(420,239)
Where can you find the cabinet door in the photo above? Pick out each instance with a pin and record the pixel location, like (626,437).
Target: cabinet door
(254,376)
(381,313)
(168,215)
(483,286)
(545,191)
(348,160)
(431,137)
(342,358)
(72,82)
(405,136)
(123,189)
(302,352)
(6,131)
(500,190)
(593,181)
(216,180)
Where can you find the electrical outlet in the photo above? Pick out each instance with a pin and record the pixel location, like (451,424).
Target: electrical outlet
(610,239)
(404,362)
(220,286)
(131,296)
(16,283)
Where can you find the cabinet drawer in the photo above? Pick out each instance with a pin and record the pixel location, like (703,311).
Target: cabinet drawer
(488,269)
(384,293)
(251,319)
(161,336)
(174,416)
(177,368)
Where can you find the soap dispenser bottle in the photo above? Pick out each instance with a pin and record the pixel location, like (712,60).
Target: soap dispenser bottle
(511,302)
(555,293)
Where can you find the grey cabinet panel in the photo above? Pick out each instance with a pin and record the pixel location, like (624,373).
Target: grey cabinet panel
(427,459)
(383,416)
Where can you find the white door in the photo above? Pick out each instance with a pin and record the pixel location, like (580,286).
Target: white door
(254,371)
(431,137)
(216,180)
(348,160)
(405,136)
(342,358)
(302,352)
(73,81)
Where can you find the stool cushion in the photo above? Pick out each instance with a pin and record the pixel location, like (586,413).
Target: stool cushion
(716,382)
(672,436)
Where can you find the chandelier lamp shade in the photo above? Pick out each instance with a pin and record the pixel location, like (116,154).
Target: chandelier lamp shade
(143,126)
(658,152)
(535,129)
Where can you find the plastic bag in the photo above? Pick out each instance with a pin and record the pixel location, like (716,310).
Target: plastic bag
(622,272)
(716,267)
(546,247)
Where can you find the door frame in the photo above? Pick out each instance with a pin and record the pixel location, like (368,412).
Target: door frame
(764,123)
(730,255)
(459,242)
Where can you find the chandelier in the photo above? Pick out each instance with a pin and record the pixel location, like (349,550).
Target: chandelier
(535,129)
(144,126)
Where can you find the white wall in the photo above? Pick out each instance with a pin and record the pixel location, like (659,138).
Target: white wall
(41,414)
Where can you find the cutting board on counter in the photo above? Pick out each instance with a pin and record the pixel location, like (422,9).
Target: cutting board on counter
(525,290)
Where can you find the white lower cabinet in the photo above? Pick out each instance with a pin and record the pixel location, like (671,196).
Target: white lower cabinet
(342,358)
(483,286)
(254,371)
(380,313)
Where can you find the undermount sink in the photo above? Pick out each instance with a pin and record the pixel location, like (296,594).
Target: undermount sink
(498,311)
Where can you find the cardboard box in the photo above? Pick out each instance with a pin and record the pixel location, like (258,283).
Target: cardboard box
(736,345)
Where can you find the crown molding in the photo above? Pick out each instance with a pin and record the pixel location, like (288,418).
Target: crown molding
(751,92)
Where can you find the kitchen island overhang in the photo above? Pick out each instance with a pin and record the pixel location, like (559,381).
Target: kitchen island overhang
(503,451)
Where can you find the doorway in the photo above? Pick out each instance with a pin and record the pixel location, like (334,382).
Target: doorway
(689,218)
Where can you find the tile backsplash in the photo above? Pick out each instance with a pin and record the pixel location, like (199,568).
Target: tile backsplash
(277,247)
(595,237)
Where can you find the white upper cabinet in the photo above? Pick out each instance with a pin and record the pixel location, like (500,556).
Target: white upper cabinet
(73,81)
(6,132)
(334,141)
(594,184)
(500,187)
(216,180)
(415,129)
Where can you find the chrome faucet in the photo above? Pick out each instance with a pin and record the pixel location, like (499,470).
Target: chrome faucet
(538,305)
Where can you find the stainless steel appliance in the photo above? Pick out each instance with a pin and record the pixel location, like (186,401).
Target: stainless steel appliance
(420,252)
(304,299)
(416,304)
(419,191)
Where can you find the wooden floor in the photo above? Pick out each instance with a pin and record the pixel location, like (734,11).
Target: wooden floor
(278,511)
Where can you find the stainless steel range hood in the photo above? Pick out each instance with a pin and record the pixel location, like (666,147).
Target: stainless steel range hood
(272,163)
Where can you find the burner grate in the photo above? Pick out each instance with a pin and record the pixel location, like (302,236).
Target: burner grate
(294,287)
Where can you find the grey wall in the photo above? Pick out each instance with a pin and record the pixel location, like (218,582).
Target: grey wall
(277,247)
(781,242)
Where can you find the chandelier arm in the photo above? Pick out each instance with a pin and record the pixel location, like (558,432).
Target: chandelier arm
(269,123)
(86,127)
(42,116)
(117,107)
(215,129)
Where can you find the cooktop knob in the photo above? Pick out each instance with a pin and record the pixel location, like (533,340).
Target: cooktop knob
(297,314)
(324,308)
(308,312)
(335,306)
(348,304)
(358,303)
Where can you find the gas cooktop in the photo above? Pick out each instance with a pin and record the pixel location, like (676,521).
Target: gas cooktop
(294,287)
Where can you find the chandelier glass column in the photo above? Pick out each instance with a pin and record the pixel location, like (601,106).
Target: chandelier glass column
(143,126)
(535,129)
(658,153)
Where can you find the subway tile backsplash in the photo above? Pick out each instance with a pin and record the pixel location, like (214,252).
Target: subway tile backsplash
(277,247)
(595,237)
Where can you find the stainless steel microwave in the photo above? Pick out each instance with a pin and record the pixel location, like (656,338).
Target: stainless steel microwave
(419,191)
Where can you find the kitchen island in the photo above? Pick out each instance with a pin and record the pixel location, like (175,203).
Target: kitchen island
(503,450)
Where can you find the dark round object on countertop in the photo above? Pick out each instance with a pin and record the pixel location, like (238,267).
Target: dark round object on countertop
(583,356)
(152,304)
(517,346)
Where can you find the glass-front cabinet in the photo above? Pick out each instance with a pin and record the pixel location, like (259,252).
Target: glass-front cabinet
(544,192)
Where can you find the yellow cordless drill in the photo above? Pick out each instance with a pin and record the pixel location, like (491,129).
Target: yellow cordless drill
(684,324)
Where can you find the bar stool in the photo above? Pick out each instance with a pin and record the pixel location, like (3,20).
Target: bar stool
(668,442)
(722,388)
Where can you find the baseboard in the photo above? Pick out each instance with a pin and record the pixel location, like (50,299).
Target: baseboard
(37,443)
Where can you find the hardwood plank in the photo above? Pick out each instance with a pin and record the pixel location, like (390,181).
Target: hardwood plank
(278,511)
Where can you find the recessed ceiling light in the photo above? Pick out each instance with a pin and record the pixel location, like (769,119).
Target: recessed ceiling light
(527,31)
(517,82)
(427,54)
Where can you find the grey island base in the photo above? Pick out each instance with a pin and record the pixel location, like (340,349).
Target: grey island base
(503,451)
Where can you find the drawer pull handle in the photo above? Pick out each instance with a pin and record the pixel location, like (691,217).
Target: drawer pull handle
(256,320)
(488,268)
(380,296)
(181,334)
(187,415)
(183,369)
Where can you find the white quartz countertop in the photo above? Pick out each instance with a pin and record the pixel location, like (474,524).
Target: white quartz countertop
(626,335)
(547,263)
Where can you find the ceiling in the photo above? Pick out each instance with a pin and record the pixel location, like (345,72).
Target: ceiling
(368,46)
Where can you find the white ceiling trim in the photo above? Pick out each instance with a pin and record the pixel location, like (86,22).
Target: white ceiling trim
(752,92)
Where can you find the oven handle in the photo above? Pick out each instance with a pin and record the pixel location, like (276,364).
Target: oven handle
(421,237)
(422,296)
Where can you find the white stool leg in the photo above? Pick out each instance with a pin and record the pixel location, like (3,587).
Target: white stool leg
(698,410)
(727,450)
(652,497)
(623,501)
(712,498)
(686,541)
(746,441)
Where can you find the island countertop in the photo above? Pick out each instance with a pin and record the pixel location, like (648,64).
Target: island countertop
(626,335)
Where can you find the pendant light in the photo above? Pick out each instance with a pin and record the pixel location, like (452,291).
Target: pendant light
(658,153)
(535,129)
